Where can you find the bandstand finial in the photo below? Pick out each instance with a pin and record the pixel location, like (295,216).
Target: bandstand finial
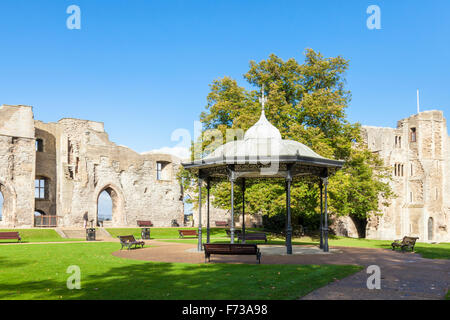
(263,99)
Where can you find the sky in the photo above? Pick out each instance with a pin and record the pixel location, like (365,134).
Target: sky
(144,67)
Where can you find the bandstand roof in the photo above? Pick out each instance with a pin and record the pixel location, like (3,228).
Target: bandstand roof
(263,154)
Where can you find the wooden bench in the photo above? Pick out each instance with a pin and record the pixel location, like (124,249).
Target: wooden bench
(144,223)
(130,241)
(253,236)
(190,233)
(231,249)
(236,232)
(406,242)
(221,224)
(10,236)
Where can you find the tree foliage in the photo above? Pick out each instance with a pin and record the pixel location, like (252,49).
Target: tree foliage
(307,103)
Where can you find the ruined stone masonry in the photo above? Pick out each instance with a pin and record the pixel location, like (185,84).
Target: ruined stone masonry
(59,170)
(418,151)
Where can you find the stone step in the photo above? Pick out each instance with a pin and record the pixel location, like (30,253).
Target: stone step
(80,233)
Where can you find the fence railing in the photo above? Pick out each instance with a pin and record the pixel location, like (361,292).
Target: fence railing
(45,221)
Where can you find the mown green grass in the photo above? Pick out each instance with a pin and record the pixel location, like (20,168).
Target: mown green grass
(39,272)
(37,235)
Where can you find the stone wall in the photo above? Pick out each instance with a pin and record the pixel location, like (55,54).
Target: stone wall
(17,160)
(87,164)
(78,162)
(418,153)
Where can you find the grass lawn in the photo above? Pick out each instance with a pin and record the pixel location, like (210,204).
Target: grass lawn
(39,272)
(37,235)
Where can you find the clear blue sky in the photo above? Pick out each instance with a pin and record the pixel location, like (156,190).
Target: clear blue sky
(144,67)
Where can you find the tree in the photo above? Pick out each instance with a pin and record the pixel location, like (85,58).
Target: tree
(307,103)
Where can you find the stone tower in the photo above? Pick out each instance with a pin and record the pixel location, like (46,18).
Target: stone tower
(418,151)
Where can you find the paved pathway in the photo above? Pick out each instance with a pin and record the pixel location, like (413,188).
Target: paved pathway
(403,275)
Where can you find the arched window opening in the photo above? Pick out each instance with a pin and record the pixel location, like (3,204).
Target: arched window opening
(39,213)
(413,135)
(105,207)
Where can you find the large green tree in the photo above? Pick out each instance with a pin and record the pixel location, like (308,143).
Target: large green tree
(307,103)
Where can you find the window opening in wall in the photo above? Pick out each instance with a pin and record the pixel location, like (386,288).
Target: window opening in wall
(41,187)
(158,170)
(413,135)
(162,170)
(39,145)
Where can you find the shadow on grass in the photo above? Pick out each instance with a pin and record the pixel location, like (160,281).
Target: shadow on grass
(430,252)
(186,281)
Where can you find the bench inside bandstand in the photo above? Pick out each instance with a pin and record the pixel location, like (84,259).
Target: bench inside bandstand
(231,249)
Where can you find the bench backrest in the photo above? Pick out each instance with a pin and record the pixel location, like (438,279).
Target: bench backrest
(127,239)
(409,240)
(188,232)
(221,223)
(9,235)
(250,236)
(144,223)
(230,248)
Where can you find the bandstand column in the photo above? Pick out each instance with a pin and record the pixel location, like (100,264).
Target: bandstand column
(232,180)
(325,216)
(199,247)
(288,215)
(243,210)
(208,187)
(321,214)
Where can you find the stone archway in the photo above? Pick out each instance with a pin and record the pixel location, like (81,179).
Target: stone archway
(7,206)
(118,217)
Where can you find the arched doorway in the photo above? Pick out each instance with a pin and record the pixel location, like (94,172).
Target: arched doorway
(109,207)
(104,208)
(430,228)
